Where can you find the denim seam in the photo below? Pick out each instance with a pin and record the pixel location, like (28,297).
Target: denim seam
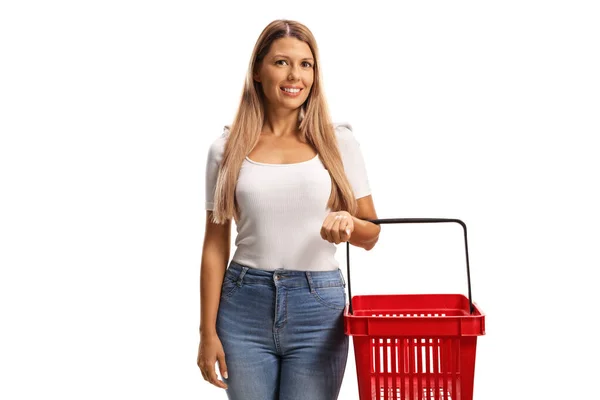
(285,309)
(277,326)
(292,286)
(283,322)
(231,291)
(229,280)
(276,339)
(314,285)
(327,304)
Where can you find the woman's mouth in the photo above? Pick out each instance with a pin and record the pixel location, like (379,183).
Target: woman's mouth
(291,92)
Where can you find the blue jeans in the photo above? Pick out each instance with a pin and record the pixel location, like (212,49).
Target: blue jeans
(283,333)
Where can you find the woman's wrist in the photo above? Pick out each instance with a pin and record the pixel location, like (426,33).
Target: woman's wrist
(208,332)
(365,233)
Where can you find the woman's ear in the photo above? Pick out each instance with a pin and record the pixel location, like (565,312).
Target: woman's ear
(256,77)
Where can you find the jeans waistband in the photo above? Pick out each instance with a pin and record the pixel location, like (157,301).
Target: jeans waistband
(288,278)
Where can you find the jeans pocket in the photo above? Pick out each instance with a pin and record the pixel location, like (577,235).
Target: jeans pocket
(229,287)
(331,296)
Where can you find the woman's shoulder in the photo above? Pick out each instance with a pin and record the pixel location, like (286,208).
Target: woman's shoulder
(217,147)
(344,133)
(342,129)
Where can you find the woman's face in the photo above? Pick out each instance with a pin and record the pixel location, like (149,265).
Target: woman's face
(286,73)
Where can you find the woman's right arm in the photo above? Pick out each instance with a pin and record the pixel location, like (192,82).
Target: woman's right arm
(215,256)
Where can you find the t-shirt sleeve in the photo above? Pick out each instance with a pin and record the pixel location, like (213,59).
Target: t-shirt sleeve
(213,164)
(353,160)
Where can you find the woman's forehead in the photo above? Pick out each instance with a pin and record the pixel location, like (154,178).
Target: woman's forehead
(290,47)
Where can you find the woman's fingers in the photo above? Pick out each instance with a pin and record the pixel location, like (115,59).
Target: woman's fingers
(325,228)
(329,225)
(222,365)
(337,227)
(347,228)
(212,378)
(208,355)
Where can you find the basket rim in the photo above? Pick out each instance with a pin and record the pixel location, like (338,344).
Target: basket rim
(422,312)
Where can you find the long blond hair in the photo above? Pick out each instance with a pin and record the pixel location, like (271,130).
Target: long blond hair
(315,128)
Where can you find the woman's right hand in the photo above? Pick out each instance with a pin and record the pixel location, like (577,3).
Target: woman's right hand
(210,350)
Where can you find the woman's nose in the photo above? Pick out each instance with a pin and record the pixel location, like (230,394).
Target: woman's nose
(293,74)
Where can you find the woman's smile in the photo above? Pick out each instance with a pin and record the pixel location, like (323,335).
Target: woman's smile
(291,91)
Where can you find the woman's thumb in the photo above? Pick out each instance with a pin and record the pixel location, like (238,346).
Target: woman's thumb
(222,365)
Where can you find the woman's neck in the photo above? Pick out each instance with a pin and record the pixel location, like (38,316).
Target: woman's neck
(281,123)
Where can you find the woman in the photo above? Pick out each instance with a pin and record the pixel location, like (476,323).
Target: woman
(296,186)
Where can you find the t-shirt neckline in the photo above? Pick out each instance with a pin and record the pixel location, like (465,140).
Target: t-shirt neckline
(282,165)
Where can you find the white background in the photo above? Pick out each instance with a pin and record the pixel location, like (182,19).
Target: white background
(483,111)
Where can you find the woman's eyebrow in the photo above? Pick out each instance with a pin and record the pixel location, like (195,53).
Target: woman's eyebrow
(283,55)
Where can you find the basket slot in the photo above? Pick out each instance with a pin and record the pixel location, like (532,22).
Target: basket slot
(428,355)
(419,358)
(402,365)
(387,367)
(435,362)
(451,371)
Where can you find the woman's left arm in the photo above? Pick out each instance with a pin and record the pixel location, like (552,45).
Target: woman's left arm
(365,233)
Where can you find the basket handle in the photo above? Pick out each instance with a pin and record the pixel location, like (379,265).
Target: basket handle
(414,221)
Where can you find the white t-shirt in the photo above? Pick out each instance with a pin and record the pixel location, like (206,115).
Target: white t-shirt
(283,206)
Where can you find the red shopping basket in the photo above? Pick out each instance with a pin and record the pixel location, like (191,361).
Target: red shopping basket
(414,346)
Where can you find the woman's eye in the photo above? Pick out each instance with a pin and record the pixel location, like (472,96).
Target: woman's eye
(307,64)
(279,62)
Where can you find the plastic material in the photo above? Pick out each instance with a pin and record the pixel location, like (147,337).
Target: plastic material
(415,346)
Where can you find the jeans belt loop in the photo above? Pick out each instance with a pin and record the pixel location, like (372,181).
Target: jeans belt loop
(311,285)
(342,277)
(241,276)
